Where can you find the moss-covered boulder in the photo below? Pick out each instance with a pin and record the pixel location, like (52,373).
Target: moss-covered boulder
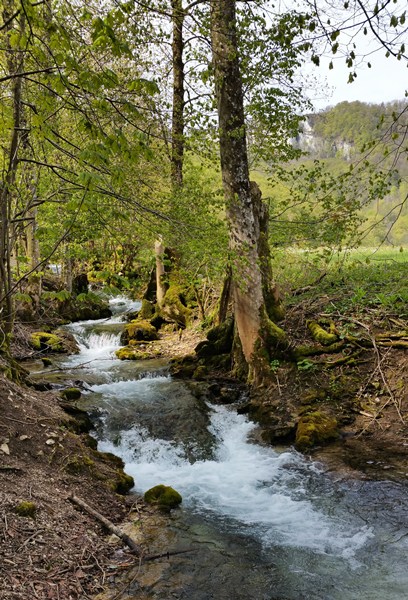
(163,496)
(46,342)
(315,428)
(183,367)
(71,393)
(123,483)
(138,329)
(135,353)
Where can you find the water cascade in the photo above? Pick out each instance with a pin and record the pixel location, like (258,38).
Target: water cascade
(268,523)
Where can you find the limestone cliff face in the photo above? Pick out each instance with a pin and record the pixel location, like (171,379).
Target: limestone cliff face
(308,141)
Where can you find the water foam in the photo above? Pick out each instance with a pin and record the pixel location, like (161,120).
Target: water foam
(254,485)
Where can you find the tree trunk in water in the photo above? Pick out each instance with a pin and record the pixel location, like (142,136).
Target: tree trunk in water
(243,203)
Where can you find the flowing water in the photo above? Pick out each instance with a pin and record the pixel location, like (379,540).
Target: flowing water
(263,523)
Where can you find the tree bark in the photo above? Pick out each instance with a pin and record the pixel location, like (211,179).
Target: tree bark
(161,287)
(177,143)
(14,65)
(250,275)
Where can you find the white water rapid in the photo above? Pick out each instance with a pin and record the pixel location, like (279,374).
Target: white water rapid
(334,536)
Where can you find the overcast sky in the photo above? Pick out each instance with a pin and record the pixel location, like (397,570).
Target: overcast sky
(387,80)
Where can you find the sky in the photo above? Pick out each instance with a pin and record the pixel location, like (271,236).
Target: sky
(387,80)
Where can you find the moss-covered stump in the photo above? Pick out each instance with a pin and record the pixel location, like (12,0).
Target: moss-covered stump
(163,496)
(138,329)
(314,429)
(174,309)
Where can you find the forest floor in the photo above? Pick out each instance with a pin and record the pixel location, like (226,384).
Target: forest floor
(60,552)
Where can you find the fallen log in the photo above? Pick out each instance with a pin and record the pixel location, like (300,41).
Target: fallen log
(135,548)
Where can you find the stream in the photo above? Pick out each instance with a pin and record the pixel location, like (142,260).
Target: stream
(263,523)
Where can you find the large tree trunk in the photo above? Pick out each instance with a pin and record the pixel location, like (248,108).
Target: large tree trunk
(177,135)
(14,65)
(243,204)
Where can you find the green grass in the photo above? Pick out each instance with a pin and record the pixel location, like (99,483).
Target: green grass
(354,281)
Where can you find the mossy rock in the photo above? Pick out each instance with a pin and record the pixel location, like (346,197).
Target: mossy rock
(46,342)
(79,463)
(138,330)
(132,353)
(111,458)
(183,367)
(163,496)
(219,341)
(222,335)
(71,393)
(47,362)
(200,373)
(123,483)
(314,429)
(26,509)
(80,421)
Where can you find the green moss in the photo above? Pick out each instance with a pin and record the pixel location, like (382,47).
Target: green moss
(163,496)
(71,393)
(146,311)
(132,353)
(315,428)
(40,340)
(123,483)
(26,509)
(47,362)
(138,330)
(201,372)
(173,308)
(79,463)
(320,335)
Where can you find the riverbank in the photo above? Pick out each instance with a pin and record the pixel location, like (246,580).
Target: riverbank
(50,549)
(60,552)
